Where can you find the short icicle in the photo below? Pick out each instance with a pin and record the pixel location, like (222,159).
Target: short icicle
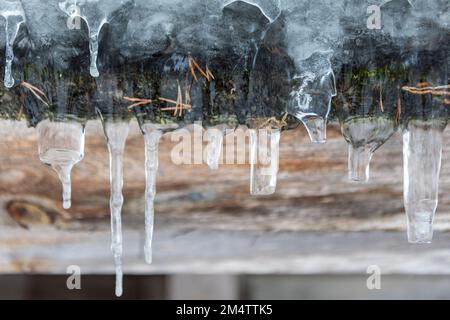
(116,136)
(264,158)
(61,146)
(422,153)
(14,15)
(63,172)
(214,136)
(151,136)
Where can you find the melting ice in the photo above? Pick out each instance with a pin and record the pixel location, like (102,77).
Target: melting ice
(14,15)
(214,136)
(422,152)
(264,156)
(116,135)
(364,136)
(61,146)
(152,136)
(95,17)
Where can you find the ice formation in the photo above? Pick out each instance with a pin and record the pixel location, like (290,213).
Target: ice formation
(152,135)
(14,15)
(116,135)
(264,155)
(422,152)
(364,136)
(61,146)
(147,60)
(310,100)
(214,147)
(96,14)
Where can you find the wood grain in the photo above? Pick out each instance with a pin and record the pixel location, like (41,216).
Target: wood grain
(206,220)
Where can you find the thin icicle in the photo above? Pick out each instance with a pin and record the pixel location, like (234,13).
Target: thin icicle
(214,136)
(422,152)
(63,172)
(95,19)
(61,146)
(151,136)
(264,153)
(93,48)
(14,15)
(116,136)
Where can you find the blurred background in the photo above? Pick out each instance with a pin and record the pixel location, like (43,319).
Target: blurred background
(227,287)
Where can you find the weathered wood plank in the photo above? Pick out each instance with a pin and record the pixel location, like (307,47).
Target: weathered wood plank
(206,220)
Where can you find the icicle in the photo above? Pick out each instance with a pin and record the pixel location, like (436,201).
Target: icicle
(422,151)
(93,48)
(61,146)
(364,136)
(313,87)
(116,136)
(94,18)
(151,137)
(214,136)
(264,161)
(14,15)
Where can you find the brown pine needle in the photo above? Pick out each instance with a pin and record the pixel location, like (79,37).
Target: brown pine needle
(179,100)
(187,94)
(38,93)
(209,75)
(139,102)
(399,109)
(186,106)
(191,67)
(179,106)
(422,88)
(381,99)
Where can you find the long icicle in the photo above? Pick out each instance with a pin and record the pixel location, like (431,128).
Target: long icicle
(151,137)
(116,135)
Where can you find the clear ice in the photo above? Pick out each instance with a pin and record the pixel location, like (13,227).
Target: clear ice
(214,136)
(313,87)
(264,157)
(95,19)
(14,15)
(269,8)
(61,146)
(116,135)
(313,35)
(422,152)
(152,136)
(364,136)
